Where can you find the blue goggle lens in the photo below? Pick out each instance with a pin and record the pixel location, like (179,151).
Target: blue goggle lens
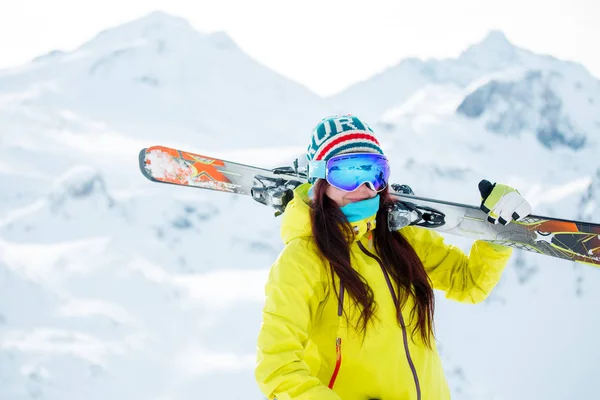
(348,171)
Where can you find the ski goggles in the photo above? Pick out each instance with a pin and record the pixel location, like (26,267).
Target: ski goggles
(348,171)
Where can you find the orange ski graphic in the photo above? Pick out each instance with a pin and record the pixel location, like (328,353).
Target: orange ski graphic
(184,168)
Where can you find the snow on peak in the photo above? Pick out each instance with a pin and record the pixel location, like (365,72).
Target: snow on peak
(496,40)
(154,26)
(51,55)
(163,19)
(493,51)
(397,84)
(221,41)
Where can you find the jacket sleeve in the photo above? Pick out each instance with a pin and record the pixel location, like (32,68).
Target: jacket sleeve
(294,289)
(468,279)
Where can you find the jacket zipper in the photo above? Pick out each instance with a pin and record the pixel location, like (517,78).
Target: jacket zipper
(338,341)
(404,334)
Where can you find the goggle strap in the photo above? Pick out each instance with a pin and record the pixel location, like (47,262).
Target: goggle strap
(317,169)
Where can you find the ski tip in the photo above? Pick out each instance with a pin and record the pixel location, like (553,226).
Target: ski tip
(142,164)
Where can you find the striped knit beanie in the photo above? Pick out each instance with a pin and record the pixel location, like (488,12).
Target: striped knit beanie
(338,134)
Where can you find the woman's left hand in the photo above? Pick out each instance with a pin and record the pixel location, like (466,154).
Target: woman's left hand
(502,203)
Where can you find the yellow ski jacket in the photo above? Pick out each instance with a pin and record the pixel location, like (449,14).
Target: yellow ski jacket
(303,340)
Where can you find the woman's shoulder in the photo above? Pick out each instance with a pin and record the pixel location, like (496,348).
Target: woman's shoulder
(301,248)
(414,233)
(302,254)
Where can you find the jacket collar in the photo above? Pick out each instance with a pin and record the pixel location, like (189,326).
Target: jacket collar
(296,218)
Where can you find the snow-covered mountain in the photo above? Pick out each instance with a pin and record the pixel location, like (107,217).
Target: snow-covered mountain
(153,80)
(560,110)
(157,77)
(516,89)
(114,287)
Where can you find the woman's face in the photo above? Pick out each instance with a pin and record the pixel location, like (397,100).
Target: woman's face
(342,198)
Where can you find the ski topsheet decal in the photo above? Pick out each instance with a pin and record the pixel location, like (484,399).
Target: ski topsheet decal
(565,239)
(578,241)
(168,165)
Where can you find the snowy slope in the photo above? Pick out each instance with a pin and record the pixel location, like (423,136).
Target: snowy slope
(114,287)
(109,288)
(589,208)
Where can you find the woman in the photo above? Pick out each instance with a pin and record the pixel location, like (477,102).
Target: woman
(349,303)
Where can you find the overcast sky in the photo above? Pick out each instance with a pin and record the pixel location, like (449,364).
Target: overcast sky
(325,45)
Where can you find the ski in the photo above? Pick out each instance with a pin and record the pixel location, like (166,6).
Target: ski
(565,239)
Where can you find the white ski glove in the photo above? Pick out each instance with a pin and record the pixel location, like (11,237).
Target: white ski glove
(502,203)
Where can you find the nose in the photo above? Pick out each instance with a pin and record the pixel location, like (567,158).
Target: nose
(367,190)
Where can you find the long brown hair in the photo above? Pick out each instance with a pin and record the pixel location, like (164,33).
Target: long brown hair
(333,234)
